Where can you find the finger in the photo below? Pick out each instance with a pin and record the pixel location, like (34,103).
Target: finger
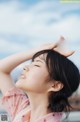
(61,39)
(65,54)
(69,53)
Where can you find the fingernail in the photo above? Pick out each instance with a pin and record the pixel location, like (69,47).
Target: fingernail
(62,38)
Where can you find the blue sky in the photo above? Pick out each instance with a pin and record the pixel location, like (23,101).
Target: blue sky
(25,24)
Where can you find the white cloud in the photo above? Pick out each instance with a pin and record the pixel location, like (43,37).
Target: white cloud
(7,46)
(35,22)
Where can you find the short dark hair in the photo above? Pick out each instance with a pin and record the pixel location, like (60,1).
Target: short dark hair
(61,69)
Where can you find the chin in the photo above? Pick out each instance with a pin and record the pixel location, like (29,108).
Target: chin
(18,84)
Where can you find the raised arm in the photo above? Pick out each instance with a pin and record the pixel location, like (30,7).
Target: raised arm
(9,63)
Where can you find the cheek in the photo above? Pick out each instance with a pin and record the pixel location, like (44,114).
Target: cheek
(37,76)
(34,82)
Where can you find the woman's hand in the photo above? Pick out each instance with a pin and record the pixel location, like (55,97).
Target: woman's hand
(62,49)
(58,46)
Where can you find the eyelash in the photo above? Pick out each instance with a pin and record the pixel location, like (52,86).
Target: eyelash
(37,65)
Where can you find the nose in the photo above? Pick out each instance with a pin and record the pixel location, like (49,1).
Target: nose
(26,68)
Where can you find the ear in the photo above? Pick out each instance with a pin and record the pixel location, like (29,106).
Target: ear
(55,86)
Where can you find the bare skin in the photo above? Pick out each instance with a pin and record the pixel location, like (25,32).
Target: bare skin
(31,78)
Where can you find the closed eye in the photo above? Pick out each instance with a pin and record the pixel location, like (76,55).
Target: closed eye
(37,65)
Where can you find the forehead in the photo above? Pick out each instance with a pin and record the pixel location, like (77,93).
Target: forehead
(41,57)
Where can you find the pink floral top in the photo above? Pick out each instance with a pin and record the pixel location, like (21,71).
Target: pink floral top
(16,102)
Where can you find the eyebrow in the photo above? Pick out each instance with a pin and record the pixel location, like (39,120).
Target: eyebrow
(39,61)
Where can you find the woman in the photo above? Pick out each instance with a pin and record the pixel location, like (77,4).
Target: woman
(47,82)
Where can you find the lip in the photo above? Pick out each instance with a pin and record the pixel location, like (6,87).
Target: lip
(22,76)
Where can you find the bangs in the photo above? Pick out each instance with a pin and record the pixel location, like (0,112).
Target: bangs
(49,60)
(40,53)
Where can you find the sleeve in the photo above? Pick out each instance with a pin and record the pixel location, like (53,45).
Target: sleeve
(14,101)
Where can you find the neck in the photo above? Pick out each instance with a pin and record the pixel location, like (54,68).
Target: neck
(38,105)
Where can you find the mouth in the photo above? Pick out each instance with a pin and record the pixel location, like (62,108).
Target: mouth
(22,76)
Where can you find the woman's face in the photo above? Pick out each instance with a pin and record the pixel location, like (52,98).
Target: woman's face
(34,76)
